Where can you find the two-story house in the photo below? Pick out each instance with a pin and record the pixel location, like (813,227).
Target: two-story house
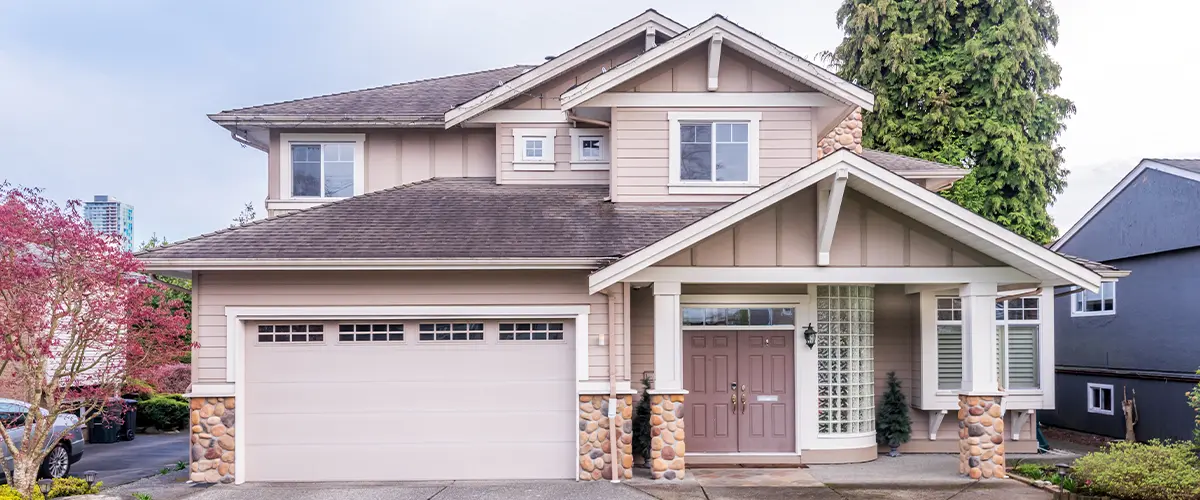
(463,277)
(1138,340)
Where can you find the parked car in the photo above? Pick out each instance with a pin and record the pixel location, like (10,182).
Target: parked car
(67,448)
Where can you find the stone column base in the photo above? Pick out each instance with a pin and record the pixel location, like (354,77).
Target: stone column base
(666,436)
(980,437)
(213,431)
(595,445)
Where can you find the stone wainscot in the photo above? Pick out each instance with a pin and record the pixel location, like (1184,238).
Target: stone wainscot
(213,431)
(595,443)
(980,437)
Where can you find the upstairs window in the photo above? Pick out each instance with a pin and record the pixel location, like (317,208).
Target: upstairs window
(533,149)
(589,149)
(321,166)
(714,149)
(1086,303)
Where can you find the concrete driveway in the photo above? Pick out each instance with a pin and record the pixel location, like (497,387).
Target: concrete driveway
(127,461)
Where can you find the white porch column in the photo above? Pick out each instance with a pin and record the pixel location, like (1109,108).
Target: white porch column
(979,338)
(668,338)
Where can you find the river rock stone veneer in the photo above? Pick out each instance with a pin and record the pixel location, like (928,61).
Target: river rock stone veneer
(213,431)
(847,134)
(595,443)
(666,436)
(980,437)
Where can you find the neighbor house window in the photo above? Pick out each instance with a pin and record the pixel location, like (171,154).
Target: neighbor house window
(533,149)
(451,331)
(321,165)
(1087,303)
(1018,323)
(531,331)
(371,332)
(1100,399)
(713,149)
(949,343)
(290,333)
(845,359)
(589,149)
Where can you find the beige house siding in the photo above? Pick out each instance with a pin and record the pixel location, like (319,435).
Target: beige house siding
(214,291)
(397,156)
(640,150)
(562,173)
(689,73)
(546,96)
(868,234)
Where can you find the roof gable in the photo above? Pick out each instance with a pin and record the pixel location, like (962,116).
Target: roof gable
(885,187)
(737,38)
(579,54)
(1155,211)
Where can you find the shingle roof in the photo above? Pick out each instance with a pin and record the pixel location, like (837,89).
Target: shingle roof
(1192,164)
(422,99)
(449,218)
(898,163)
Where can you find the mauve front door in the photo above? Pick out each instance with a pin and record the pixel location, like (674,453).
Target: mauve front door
(741,395)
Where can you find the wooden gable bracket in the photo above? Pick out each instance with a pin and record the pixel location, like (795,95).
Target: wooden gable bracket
(714,60)
(935,422)
(651,40)
(830,194)
(1021,418)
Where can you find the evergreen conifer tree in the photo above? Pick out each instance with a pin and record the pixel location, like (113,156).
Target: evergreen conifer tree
(893,425)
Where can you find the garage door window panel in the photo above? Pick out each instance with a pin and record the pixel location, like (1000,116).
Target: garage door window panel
(432,332)
(533,331)
(364,333)
(291,334)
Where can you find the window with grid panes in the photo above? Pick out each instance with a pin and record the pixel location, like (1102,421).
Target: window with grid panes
(845,359)
(949,343)
(371,332)
(531,331)
(1018,323)
(451,331)
(291,333)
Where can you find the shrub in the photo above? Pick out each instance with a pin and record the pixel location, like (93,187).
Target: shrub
(166,413)
(173,378)
(138,390)
(1032,471)
(61,487)
(641,422)
(1193,400)
(1155,470)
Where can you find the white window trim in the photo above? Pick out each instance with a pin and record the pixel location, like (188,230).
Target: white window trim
(1093,406)
(936,359)
(1076,303)
(677,186)
(285,168)
(546,164)
(1004,323)
(580,163)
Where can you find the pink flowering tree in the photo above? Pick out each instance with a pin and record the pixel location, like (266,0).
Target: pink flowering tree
(78,320)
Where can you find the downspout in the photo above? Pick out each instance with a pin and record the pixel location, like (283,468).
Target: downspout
(246,142)
(614,442)
(574,117)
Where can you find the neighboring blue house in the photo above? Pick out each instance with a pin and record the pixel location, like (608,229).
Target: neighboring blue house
(1142,334)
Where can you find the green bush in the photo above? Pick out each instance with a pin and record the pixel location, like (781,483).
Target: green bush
(1032,471)
(174,397)
(1156,470)
(61,487)
(166,413)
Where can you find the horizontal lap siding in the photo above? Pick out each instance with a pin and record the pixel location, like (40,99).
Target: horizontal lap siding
(214,291)
(562,173)
(640,143)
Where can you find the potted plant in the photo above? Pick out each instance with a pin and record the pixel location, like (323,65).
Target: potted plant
(893,425)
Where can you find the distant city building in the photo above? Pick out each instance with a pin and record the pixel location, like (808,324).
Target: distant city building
(111,216)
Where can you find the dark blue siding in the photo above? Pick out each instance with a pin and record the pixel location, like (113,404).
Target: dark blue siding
(1157,212)
(1162,407)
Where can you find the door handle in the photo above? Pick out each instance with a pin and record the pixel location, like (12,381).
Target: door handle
(743,398)
(733,397)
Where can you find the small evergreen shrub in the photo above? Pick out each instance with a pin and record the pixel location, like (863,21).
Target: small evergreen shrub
(893,425)
(165,412)
(1154,470)
(641,422)
(71,486)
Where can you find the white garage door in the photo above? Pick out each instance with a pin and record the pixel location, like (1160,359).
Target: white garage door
(409,400)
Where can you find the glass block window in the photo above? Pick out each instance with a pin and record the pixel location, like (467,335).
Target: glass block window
(738,316)
(371,332)
(290,333)
(451,331)
(531,331)
(845,359)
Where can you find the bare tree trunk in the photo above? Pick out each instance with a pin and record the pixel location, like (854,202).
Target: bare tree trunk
(1129,406)
(25,475)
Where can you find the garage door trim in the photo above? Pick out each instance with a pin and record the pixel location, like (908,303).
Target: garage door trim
(235,337)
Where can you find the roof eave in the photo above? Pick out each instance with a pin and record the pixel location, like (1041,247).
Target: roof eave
(188,265)
(327,121)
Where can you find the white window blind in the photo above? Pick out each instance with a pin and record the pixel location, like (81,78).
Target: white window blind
(949,343)
(1017,327)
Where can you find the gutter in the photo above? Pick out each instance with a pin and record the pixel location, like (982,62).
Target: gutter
(1190,378)
(156,264)
(309,121)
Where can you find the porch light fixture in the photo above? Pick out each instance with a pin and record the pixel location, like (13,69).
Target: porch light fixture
(810,336)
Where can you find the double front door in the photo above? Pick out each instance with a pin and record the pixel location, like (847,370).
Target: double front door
(741,390)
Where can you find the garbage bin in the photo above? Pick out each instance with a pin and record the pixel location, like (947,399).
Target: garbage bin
(129,423)
(103,432)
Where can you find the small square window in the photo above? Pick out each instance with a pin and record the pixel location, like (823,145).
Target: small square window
(1100,399)
(534,148)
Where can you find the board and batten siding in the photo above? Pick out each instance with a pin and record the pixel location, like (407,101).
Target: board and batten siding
(689,73)
(400,156)
(640,142)
(868,234)
(562,173)
(547,95)
(213,291)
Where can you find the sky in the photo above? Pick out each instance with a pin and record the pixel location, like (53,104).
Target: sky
(110,97)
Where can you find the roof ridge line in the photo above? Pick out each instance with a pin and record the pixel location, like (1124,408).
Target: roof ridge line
(378,87)
(289,214)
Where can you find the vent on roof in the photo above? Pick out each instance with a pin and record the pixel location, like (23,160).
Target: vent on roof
(550,58)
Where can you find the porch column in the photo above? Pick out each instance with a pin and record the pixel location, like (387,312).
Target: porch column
(667,430)
(980,412)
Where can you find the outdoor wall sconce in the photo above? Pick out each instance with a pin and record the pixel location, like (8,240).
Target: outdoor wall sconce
(810,336)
